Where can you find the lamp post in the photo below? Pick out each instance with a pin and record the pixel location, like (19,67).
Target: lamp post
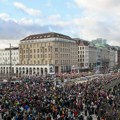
(14,61)
(5,63)
(10,72)
(1,72)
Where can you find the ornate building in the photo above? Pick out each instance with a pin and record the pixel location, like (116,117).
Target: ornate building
(48,49)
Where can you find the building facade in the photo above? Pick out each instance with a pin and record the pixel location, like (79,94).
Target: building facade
(5,56)
(48,49)
(7,61)
(106,53)
(50,53)
(86,55)
(112,57)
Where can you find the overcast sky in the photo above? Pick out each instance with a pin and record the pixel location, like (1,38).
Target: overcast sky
(86,19)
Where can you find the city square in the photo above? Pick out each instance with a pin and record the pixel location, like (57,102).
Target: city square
(59,60)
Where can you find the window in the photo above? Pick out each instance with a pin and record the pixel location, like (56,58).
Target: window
(56,55)
(45,50)
(56,49)
(46,62)
(50,48)
(41,61)
(56,61)
(49,55)
(38,50)
(50,62)
(60,49)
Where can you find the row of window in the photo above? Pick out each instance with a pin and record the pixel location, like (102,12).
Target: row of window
(15,53)
(67,50)
(65,61)
(80,60)
(48,40)
(47,62)
(37,56)
(8,58)
(35,45)
(81,56)
(62,44)
(37,62)
(45,50)
(36,50)
(83,64)
(81,47)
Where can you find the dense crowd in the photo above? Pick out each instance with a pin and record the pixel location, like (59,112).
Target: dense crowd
(39,99)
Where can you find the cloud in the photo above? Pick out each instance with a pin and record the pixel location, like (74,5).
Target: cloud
(6,43)
(26,9)
(56,19)
(70,4)
(4,16)
(18,29)
(100,19)
(25,21)
(98,5)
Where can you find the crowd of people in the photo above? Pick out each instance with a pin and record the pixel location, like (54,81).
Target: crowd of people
(39,99)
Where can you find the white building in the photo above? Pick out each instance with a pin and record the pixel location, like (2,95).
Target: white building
(16,68)
(96,55)
(5,56)
(8,62)
(87,55)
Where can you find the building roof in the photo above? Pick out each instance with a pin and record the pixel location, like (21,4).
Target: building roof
(82,42)
(47,35)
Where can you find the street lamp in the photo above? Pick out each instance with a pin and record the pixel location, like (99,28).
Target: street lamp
(4,63)
(14,61)
(10,72)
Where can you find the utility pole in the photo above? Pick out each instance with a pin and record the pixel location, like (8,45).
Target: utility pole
(1,72)
(10,73)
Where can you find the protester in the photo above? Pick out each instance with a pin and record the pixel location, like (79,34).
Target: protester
(40,99)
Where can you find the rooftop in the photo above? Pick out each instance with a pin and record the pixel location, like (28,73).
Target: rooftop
(47,35)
